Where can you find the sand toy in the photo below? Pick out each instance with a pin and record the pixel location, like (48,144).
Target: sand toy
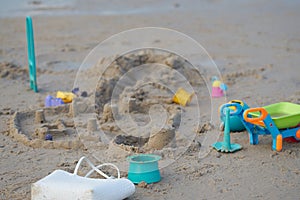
(144,167)
(280,120)
(31,54)
(236,125)
(64,185)
(218,88)
(182,97)
(226,146)
(52,101)
(67,97)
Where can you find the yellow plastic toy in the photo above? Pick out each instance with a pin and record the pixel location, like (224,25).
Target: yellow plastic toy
(216,83)
(67,97)
(182,97)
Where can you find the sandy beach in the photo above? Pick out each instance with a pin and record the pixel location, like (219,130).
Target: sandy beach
(255,46)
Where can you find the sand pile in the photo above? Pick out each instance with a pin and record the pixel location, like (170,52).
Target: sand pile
(10,70)
(129,92)
(123,64)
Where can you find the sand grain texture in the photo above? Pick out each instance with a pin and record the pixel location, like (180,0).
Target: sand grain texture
(256,46)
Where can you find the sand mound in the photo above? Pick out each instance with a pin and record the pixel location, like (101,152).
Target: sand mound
(130,87)
(10,70)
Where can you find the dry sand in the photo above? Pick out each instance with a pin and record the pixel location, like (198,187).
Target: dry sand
(256,46)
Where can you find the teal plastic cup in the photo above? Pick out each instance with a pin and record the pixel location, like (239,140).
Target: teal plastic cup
(144,167)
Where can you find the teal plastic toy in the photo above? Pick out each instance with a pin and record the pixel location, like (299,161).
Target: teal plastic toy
(280,120)
(226,146)
(144,167)
(236,124)
(31,54)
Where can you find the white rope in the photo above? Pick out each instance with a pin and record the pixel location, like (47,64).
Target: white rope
(105,164)
(95,168)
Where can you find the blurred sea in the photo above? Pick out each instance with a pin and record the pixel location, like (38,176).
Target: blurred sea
(20,8)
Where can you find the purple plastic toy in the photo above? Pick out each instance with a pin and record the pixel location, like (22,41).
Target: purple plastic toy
(52,101)
(49,137)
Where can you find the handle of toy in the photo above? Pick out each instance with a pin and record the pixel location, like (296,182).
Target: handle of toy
(256,120)
(237,101)
(95,168)
(237,106)
(31,54)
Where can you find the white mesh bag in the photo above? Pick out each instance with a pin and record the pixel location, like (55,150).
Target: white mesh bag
(62,185)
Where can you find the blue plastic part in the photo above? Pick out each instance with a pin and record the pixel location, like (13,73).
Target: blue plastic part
(144,167)
(75,91)
(214,78)
(49,137)
(223,87)
(226,146)
(52,101)
(269,129)
(31,54)
(236,124)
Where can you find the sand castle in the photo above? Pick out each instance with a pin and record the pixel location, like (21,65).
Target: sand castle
(128,110)
(129,120)
(31,127)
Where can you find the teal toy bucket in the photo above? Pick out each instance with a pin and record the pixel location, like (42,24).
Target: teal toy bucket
(236,125)
(144,167)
